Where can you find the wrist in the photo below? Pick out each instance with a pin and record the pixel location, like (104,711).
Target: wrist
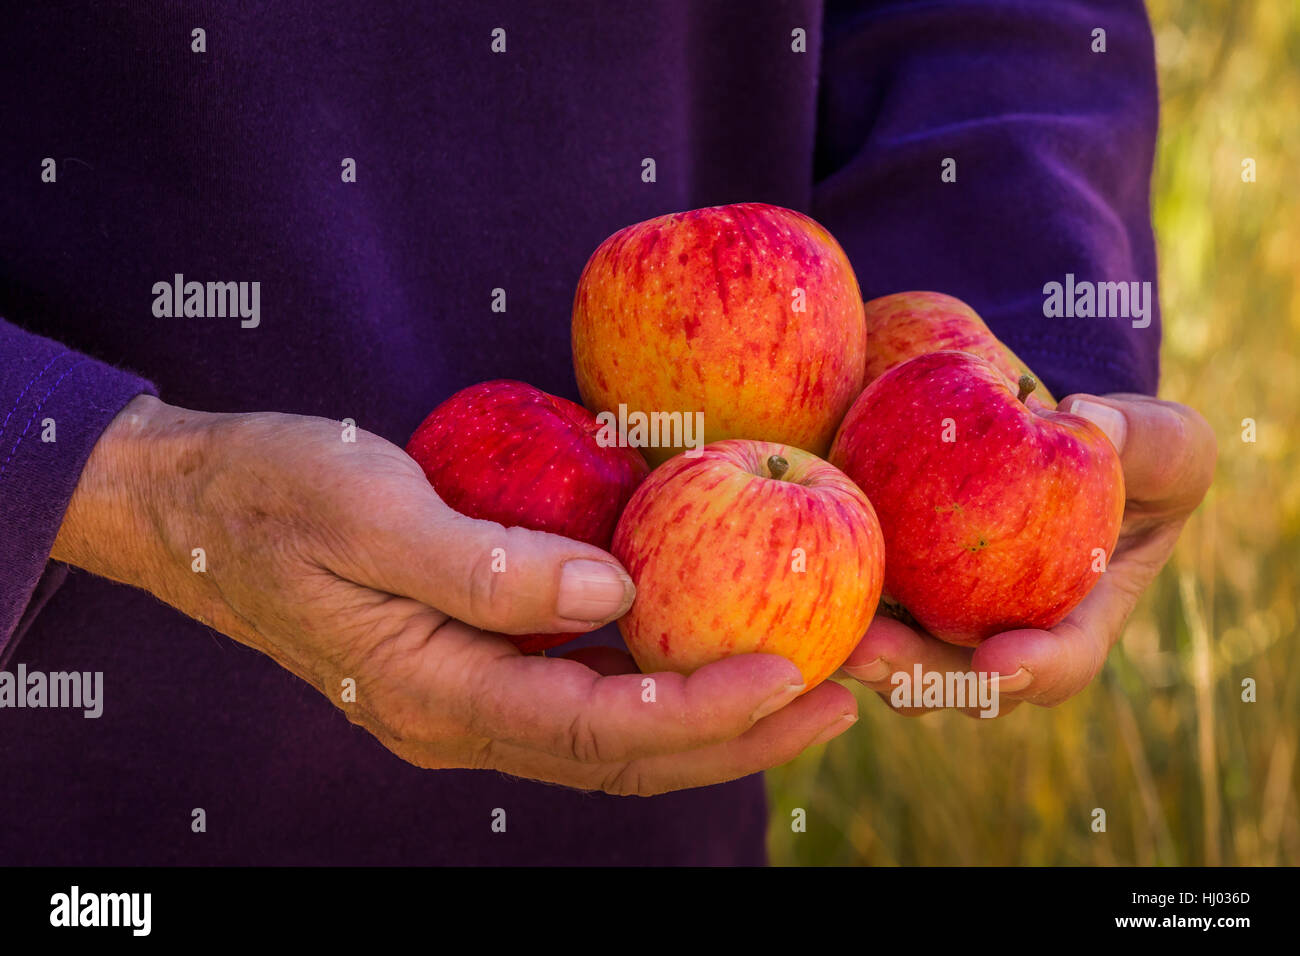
(117,518)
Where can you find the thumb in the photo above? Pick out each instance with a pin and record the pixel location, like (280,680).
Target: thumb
(1168,450)
(509,580)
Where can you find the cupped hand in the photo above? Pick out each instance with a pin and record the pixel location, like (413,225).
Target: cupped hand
(1168,452)
(337,559)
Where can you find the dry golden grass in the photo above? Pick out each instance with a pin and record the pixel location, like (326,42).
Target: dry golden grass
(1186,771)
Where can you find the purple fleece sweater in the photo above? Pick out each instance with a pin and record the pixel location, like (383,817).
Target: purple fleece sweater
(475,170)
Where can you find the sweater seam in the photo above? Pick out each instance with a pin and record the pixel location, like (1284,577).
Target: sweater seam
(28,387)
(68,371)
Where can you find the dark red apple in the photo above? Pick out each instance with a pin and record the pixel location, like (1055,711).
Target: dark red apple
(997,515)
(507,452)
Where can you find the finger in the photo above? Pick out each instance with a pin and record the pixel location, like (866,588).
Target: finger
(563,708)
(825,712)
(890,657)
(1168,450)
(1042,667)
(505,580)
(462,681)
(822,714)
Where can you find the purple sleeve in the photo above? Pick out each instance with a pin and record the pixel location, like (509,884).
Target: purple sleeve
(1052,147)
(54,404)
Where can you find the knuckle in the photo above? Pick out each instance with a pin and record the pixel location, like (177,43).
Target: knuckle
(628,780)
(1185,471)
(582,741)
(1165,474)
(490,598)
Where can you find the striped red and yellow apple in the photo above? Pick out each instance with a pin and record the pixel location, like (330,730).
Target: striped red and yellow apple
(751,547)
(996,514)
(904,325)
(749,313)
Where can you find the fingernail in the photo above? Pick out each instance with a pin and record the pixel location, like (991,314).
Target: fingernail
(872,672)
(1110,420)
(1010,683)
(835,729)
(593,591)
(778,700)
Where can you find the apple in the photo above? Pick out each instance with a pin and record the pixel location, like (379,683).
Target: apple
(907,324)
(996,514)
(507,452)
(749,314)
(750,547)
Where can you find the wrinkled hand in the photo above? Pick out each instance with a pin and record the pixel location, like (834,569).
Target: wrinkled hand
(339,560)
(1168,452)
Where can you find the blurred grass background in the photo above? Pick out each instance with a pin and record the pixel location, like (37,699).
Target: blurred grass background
(1186,771)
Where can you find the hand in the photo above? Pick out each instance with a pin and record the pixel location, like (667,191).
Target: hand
(339,561)
(1168,452)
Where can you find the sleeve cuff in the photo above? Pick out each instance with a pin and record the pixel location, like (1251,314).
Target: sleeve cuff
(54,405)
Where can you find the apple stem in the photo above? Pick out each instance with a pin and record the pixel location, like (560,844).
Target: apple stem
(1027,384)
(778,466)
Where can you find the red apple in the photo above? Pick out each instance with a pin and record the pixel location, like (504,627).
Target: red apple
(996,515)
(751,547)
(907,324)
(507,452)
(750,314)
